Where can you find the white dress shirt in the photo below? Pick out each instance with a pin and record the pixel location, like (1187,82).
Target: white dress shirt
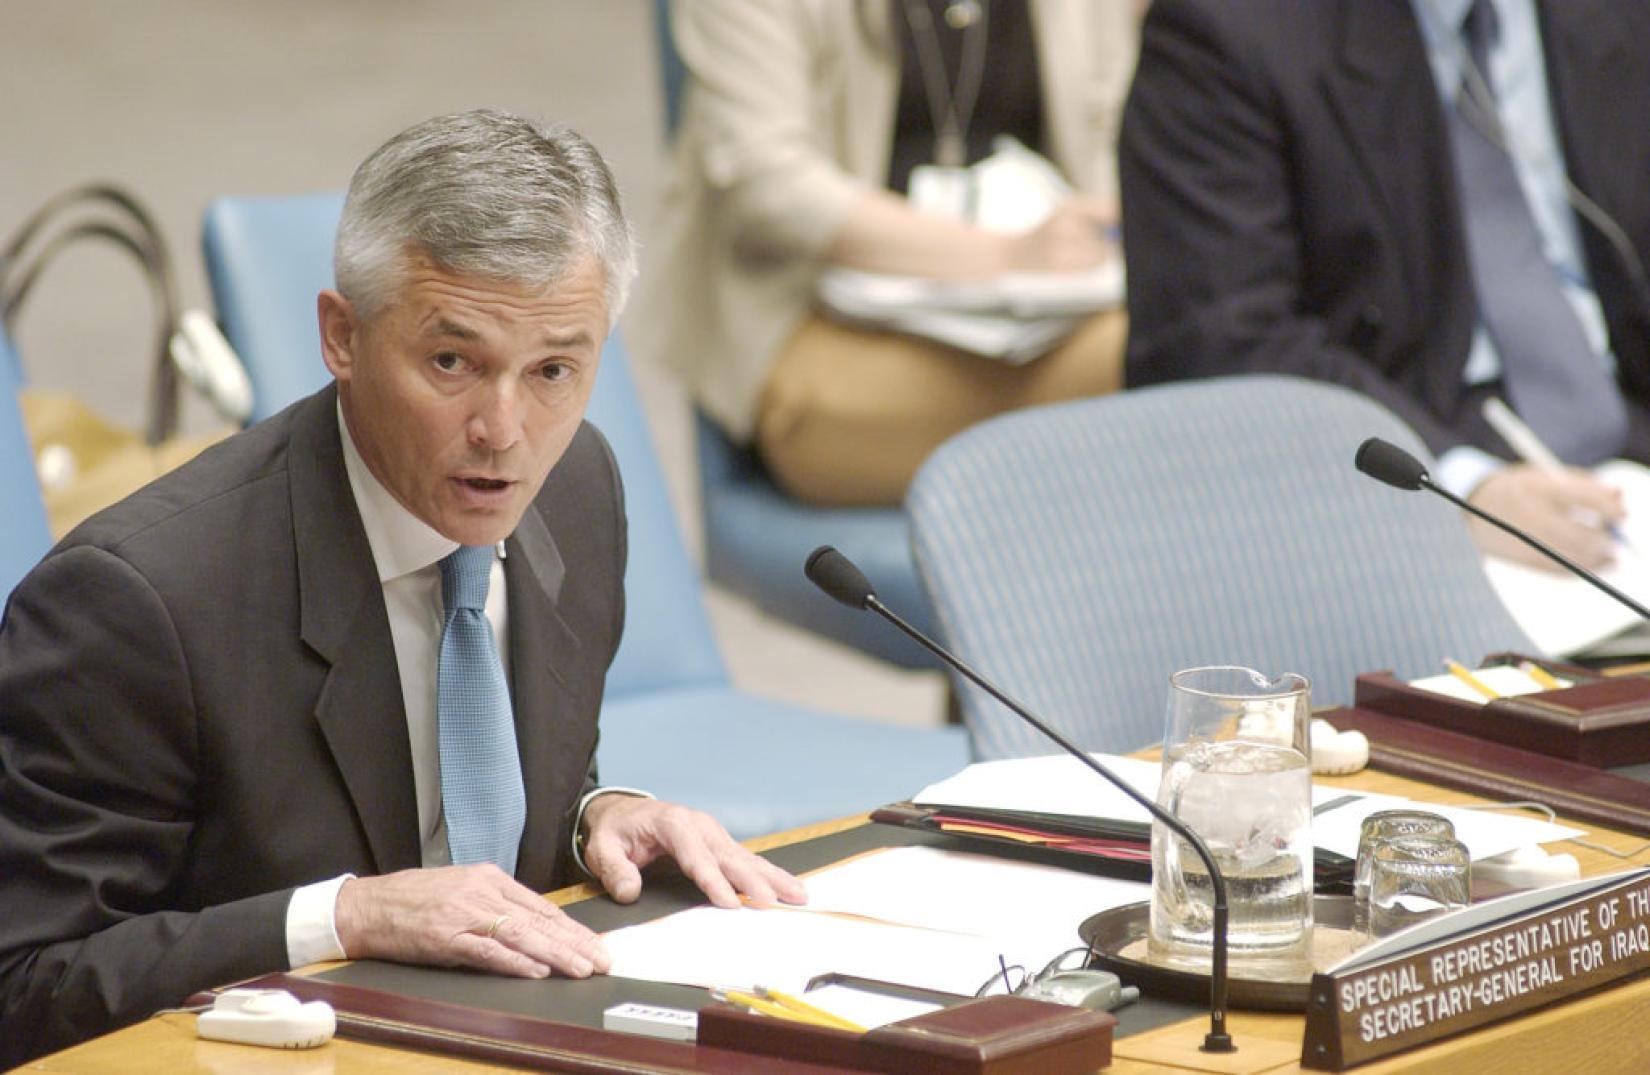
(407,553)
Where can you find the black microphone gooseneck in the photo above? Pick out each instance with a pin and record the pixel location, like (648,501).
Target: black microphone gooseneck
(1386,462)
(837,576)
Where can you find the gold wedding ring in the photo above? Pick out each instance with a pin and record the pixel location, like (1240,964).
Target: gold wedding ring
(497,922)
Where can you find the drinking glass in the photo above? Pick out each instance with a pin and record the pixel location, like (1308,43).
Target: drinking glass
(1386,825)
(1414,878)
(1236,771)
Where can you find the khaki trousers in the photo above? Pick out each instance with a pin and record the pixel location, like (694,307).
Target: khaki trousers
(848,414)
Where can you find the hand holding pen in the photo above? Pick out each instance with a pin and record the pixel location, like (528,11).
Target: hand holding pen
(1530,448)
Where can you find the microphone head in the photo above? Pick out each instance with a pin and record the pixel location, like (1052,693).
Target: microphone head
(837,576)
(1389,463)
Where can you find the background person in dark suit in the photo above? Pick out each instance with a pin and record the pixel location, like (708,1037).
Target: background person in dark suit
(1293,202)
(220,748)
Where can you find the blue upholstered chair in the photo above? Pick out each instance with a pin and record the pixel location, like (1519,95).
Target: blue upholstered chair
(757,536)
(25,537)
(1081,553)
(671,721)
(267,259)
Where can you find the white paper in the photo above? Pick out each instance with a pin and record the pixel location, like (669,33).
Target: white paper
(1565,615)
(1509,681)
(1024,295)
(1060,784)
(1487,833)
(973,909)
(868,1009)
(1011,318)
(969,893)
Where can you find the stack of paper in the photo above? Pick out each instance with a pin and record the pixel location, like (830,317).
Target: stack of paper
(1059,784)
(1012,318)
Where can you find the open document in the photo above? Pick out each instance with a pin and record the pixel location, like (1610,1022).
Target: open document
(916,916)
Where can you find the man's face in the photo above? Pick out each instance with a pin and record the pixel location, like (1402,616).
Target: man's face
(462,392)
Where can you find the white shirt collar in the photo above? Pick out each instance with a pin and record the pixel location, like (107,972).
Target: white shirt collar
(401,542)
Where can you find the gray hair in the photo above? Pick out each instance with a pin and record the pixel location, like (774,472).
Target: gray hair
(482,193)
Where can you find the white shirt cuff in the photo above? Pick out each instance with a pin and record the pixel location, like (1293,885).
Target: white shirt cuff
(1464,468)
(578,819)
(311,923)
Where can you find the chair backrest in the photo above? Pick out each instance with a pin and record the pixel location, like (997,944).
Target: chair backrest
(267,257)
(1081,553)
(25,536)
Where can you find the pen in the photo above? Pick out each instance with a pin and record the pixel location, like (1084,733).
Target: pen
(1540,675)
(1529,447)
(1519,437)
(1460,672)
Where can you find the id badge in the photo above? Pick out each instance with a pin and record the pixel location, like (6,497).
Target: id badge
(943,191)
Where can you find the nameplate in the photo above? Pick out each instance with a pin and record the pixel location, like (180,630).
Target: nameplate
(1369,1008)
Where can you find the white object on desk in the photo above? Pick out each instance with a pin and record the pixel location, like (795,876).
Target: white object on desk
(1522,868)
(671,1024)
(270,1017)
(1335,753)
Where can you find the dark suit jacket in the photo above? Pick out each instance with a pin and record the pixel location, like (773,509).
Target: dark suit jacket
(200,710)
(1290,205)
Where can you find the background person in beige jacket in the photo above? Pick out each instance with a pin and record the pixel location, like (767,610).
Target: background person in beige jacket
(801,121)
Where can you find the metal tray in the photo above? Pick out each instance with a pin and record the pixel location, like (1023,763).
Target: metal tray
(1108,933)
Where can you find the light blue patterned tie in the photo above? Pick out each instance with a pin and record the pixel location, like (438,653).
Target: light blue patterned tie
(481,789)
(1555,380)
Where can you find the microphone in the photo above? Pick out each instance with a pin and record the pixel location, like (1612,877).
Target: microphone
(1386,462)
(838,577)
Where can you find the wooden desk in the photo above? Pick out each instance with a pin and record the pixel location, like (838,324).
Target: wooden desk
(1600,1033)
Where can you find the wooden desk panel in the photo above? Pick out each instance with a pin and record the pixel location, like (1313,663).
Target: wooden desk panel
(1600,1033)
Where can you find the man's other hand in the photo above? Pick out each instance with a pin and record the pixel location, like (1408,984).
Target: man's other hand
(464,916)
(1570,510)
(626,833)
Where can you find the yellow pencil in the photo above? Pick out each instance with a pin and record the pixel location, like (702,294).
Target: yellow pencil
(1540,675)
(773,1008)
(1460,672)
(797,1004)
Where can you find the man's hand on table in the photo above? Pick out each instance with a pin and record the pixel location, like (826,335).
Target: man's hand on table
(626,833)
(464,916)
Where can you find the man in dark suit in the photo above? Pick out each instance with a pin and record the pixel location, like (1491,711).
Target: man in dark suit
(225,703)
(1292,204)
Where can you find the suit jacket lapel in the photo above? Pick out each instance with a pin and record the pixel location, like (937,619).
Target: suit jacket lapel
(1382,90)
(542,650)
(343,619)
